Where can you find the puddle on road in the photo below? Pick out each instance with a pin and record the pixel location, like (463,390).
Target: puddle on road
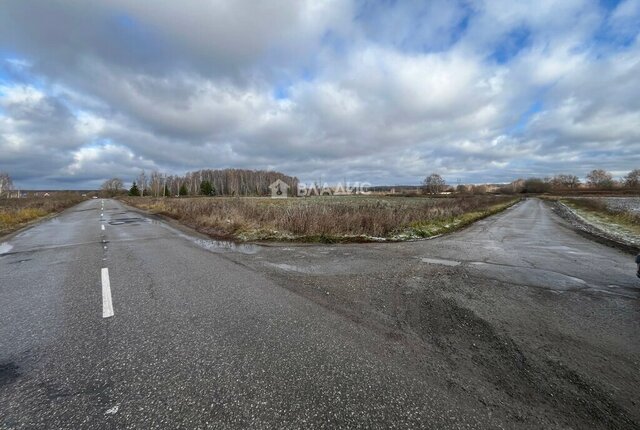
(225,245)
(208,244)
(5,247)
(451,263)
(120,221)
(292,268)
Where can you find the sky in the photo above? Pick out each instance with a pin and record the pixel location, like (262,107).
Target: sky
(384,92)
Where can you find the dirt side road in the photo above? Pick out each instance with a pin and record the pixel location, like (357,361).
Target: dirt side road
(533,320)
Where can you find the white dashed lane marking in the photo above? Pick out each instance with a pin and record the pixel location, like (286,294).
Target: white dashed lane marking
(107,304)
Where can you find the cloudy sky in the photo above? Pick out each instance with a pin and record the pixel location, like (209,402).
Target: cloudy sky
(379,91)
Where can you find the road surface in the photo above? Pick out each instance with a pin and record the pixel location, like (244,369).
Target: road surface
(113,319)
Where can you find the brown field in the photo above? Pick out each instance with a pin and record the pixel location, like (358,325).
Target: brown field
(324,219)
(15,213)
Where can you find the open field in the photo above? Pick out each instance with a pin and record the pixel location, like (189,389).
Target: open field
(623,204)
(325,219)
(620,213)
(15,213)
(614,220)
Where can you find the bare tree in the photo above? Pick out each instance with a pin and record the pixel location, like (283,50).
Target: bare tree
(6,184)
(516,186)
(434,184)
(142,183)
(112,186)
(565,181)
(536,185)
(600,179)
(155,183)
(632,180)
(463,189)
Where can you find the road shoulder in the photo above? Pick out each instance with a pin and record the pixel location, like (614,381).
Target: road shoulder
(592,231)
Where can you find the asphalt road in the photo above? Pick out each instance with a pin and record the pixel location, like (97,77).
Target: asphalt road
(517,321)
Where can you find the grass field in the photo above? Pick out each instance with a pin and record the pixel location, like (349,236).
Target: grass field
(15,213)
(325,219)
(622,213)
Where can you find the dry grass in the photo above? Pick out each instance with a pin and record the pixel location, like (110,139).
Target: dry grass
(324,219)
(14,213)
(605,213)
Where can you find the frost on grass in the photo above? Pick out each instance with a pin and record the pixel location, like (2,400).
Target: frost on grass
(615,217)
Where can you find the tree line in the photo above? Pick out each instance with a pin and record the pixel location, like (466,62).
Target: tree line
(597,179)
(208,182)
(242,182)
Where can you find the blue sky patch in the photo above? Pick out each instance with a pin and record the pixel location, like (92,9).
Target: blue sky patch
(514,42)
(526,117)
(281,92)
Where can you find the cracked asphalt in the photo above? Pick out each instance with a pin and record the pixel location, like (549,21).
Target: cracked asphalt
(515,322)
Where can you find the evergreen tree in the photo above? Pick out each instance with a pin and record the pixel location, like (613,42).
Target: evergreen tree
(134,191)
(183,190)
(206,189)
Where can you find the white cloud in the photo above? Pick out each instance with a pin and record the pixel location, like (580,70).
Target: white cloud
(13,95)
(107,160)
(356,89)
